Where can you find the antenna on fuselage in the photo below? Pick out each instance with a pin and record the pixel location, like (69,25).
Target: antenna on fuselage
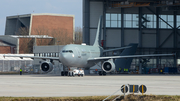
(96,42)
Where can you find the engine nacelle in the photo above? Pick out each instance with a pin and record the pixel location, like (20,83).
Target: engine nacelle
(108,66)
(46,66)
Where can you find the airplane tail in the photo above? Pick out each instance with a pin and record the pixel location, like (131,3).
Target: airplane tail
(96,42)
(125,62)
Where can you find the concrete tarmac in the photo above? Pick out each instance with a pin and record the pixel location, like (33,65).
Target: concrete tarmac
(58,86)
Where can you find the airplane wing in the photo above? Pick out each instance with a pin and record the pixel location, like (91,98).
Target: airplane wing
(32,57)
(129,56)
(116,49)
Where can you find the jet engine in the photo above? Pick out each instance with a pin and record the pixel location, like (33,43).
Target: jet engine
(108,66)
(46,67)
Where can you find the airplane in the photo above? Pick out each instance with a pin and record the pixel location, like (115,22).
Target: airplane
(85,56)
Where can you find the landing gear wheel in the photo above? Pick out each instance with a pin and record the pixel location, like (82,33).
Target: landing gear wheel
(82,75)
(104,73)
(62,73)
(69,74)
(66,73)
(100,73)
(72,74)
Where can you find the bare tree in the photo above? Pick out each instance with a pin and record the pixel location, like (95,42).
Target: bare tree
(25,42)
(78,35)
(26,45)
(22,31)
(60,36)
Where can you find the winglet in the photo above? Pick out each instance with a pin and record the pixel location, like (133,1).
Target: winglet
(96,42)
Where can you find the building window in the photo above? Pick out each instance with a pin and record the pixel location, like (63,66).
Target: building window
(131,20)
(57,54)
(151,21)
(36,54)
(50,54)
(178,21)
(40,54)
(54,55)
(168,18)
(113,20)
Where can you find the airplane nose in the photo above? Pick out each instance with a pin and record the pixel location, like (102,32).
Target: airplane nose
(66,59)
(63,57)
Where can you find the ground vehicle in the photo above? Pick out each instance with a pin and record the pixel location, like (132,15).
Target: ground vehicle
(76,72)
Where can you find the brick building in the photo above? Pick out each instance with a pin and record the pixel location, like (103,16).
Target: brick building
(38,29)
(6,47)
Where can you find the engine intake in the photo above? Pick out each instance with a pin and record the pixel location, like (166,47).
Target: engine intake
(46,67)
(108,66)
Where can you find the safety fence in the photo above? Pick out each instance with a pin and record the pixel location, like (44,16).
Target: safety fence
(15,65)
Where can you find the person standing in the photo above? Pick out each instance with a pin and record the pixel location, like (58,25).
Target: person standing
(20,71)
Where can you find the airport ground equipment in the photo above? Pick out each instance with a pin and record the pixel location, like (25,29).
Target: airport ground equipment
(76,72)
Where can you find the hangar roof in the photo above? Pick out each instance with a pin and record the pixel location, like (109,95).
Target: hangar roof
(31,36)
(29,15)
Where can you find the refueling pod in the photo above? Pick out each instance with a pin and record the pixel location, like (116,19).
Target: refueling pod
(108,66)
(46,67)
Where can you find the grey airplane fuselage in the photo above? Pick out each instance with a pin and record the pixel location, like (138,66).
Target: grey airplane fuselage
(77,55)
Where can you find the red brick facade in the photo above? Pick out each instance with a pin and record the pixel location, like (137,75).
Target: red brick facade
(5,49)
(59,27)
(26,44)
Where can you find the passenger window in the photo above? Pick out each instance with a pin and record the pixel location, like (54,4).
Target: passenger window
(70,51)
(53,55)
(57,55)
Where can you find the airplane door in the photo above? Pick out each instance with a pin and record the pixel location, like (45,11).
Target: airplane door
(78,52)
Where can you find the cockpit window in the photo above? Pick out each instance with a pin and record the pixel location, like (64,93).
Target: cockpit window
(67,51)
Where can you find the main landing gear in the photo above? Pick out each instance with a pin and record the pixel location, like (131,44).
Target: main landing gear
(64,73)
(102,73)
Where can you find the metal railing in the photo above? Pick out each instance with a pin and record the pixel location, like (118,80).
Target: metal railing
(124,88)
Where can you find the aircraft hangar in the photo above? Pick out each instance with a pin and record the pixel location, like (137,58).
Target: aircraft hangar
(153,24)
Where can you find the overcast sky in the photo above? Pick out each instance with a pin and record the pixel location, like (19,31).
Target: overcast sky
(19,7)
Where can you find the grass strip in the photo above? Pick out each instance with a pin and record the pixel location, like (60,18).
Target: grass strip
(129,97)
